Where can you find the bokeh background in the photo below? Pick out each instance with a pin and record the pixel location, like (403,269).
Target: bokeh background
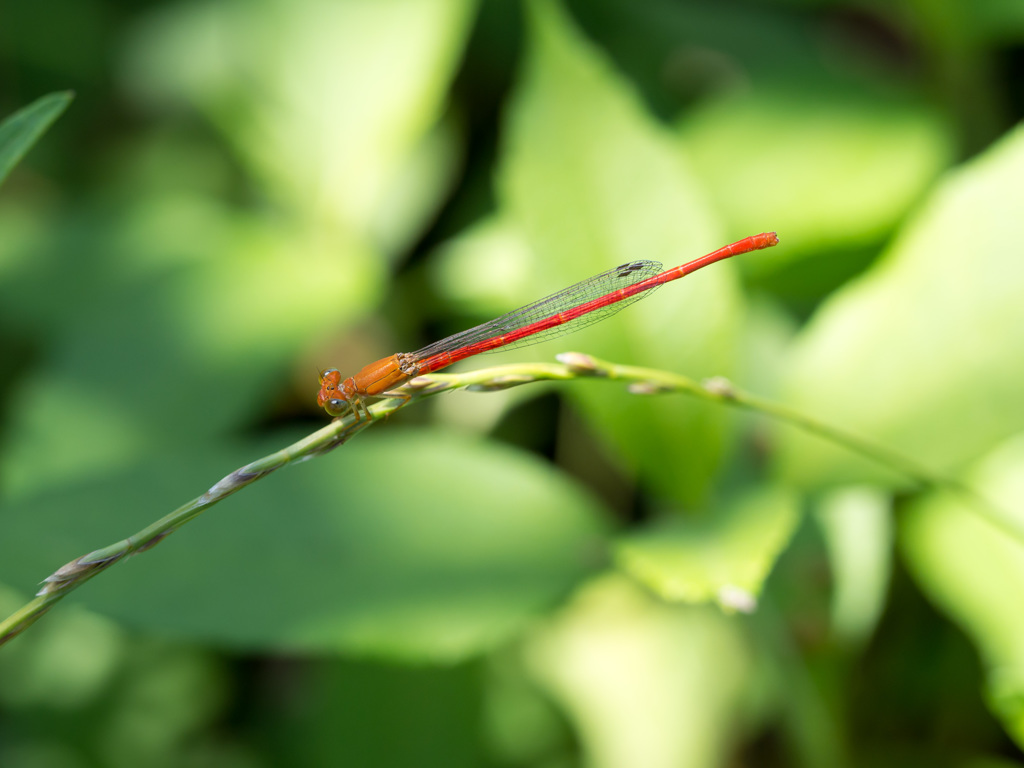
(243,193)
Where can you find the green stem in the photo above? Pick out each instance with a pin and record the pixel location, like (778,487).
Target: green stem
(721,390)
(574,366)
(81,569)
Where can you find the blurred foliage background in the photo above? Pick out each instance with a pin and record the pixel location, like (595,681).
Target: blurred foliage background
(242,193)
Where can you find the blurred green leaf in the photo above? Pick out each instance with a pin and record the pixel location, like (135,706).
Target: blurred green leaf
(72,657)
(646,684)
(768,332)
(355,711)
(998,20)
(923,353)
(333,106)
(422,545)
(963,29)
(179,322)
(486,268)
(522,724)
(858,530)
(20,131)
(168,693)
(682,52)
(826,169)
(975,573)
(724,557)
(593,181)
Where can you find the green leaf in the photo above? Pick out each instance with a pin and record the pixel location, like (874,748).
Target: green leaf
(858,530)
(485,269)
(333,106)
(72,656)
(975,573)
(420,545)
(592,181)
(354,711)
(22,129)
(646,684)
(855,164)
(723,557)
(923,353)
(156,317)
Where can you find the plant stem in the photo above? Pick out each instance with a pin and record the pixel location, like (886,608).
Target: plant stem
(573,366)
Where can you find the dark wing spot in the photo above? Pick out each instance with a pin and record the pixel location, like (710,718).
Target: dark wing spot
(625,270)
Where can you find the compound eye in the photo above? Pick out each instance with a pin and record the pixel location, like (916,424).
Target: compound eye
(336,406)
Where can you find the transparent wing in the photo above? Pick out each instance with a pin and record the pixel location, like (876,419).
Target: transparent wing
(588,290)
